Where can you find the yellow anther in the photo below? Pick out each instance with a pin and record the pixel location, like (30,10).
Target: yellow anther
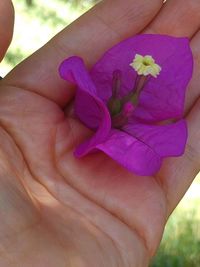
(145,66)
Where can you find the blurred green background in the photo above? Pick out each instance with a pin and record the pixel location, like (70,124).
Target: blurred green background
(37,22)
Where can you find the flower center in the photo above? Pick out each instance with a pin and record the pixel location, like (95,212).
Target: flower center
(122,108)
(146,63)
(145,66)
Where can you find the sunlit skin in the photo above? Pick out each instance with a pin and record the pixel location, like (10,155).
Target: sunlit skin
(58,211)
(6,22)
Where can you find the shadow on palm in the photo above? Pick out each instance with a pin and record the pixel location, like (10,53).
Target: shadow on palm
(95,187)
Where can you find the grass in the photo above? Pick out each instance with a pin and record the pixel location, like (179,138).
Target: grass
(180,246)
(35,25)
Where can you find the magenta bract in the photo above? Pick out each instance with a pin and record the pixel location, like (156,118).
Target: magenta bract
(155,127)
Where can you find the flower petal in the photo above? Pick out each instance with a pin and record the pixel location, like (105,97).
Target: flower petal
(165,140)
(128,151)
(162,97)
(88,107)
(134,155)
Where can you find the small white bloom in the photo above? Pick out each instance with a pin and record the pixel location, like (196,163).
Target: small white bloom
(145,66)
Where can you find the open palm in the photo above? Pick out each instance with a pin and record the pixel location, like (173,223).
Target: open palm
(56,210)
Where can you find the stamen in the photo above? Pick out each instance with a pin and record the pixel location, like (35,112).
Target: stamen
(134,94)
(116,83)
(114,103)
(145,67)
(122,118)
(114,106)
(128,109)
(121,108)
(142,80)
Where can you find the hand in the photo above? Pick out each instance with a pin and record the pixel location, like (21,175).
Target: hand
(56,210)
(6,22)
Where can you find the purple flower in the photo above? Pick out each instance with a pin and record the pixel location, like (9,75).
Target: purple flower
(133,98)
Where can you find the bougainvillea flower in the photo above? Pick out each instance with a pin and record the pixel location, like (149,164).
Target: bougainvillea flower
(133,100)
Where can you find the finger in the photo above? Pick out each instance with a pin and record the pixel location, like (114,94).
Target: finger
(178,173)
(177,18)
(180,18)
(100,28)
(193,92)
(7,23)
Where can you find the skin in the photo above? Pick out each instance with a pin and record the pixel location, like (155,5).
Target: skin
(56,210)
(7,20)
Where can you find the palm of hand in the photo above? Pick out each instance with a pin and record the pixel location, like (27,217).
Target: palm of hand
(88,211)
(103,200)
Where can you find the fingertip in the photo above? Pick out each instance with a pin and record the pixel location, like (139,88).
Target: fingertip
(7,20)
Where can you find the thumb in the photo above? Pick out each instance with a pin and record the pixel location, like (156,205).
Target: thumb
(7,23)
